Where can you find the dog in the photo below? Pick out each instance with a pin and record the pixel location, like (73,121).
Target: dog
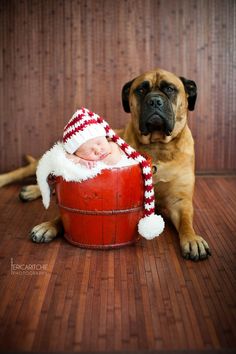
(158,102)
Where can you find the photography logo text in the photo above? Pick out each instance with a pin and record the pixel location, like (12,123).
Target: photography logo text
(28,269)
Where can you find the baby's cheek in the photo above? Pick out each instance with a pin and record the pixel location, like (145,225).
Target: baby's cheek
(86,155)
(90,157)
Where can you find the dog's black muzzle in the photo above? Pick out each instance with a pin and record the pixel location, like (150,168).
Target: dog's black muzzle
(156,114)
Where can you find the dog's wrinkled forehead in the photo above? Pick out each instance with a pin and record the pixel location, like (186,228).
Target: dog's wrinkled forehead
(156,78)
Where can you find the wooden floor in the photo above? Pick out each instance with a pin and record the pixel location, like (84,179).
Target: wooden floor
(143,297)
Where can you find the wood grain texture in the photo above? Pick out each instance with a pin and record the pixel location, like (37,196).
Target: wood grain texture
(58,55)
(143,297)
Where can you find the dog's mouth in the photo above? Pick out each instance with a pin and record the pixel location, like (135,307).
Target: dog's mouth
(156,123)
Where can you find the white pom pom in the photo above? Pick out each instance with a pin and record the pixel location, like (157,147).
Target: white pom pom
(151,226)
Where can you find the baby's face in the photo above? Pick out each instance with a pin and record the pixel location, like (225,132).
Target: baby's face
(94,149)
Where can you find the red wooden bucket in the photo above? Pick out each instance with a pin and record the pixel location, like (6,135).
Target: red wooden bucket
(104,211)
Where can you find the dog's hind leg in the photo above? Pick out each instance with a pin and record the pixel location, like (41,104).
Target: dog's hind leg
(20,173)
(27,193)
(47,231)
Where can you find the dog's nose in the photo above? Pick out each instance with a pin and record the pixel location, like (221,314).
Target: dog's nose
(155,102)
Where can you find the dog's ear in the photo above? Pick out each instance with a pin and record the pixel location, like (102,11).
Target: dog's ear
(191,91)
(125,96)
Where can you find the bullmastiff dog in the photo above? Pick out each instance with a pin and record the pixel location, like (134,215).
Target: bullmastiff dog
(158,102)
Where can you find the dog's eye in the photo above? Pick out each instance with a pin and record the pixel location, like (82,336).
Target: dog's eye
(169,89)
(140,91)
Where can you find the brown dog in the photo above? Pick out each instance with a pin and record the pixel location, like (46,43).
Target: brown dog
(158,102)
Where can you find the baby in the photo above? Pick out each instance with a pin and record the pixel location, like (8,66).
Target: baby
(97,149)
(86,141)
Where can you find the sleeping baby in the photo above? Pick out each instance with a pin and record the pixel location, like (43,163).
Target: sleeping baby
(95,150)
(86,143)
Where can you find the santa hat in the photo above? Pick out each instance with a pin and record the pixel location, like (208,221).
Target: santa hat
(85,125)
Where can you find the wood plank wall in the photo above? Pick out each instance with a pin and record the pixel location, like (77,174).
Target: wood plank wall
(57,55)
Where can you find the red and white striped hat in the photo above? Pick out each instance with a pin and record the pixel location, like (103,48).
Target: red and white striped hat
(85,125)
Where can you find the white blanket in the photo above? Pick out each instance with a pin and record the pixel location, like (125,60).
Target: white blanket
(55,162)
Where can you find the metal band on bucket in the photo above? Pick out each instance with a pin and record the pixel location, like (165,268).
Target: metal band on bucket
(101,212)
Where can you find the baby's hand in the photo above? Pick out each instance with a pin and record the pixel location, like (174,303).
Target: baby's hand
(87,163)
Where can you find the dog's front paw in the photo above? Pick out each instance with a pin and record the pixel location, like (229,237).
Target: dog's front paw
(29,193)
(195,248)
(44,232)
